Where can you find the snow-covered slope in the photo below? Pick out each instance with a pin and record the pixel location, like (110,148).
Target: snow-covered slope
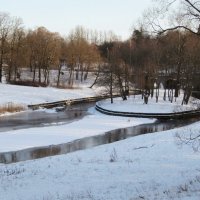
(144,167)
(154,166)
(33,95)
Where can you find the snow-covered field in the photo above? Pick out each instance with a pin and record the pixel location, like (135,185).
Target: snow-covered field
(144,167)
(33,95)
(153,166)
(136,104)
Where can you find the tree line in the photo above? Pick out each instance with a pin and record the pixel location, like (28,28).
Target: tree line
(41,50)
(145,60)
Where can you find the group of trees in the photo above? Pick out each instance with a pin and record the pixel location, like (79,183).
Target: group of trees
(170,55)
(180,18)
(41,50)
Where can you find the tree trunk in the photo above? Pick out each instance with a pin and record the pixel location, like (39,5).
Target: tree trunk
(81,73)
(97,76)
(39,74)
(59,71)
(34,72)
(111,85)
(1,66)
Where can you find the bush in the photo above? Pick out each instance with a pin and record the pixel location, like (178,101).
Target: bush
(11,107)
(113,156)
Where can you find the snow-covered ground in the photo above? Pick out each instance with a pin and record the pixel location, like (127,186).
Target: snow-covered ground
(33,95)
(92,124)
(136,104)
(144,167)
(153,166)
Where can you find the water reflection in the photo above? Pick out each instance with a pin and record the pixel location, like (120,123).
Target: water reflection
(43,118)
(88,142)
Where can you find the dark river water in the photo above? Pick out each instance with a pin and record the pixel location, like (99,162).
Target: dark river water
(38,118)
(41,118)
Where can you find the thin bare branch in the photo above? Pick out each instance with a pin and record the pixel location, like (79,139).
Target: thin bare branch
(179,27)
(194,138)
(192,5)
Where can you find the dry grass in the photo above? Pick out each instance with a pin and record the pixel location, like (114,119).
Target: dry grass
(62,86)
(11,108)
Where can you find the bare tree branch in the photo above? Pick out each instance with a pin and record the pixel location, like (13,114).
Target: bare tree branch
(178,27)
(192,5)
(194,138)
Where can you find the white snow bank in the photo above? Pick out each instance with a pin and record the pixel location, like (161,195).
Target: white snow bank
(136,104)
(145,167)
(150,166)
(33,95)
(93,124)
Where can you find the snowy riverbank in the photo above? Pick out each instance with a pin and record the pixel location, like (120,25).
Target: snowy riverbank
(93,124)
(136,104)
(154,166)
(145,167)
(33,95)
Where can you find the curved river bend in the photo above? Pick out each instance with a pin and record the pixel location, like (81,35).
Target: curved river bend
(84,143)
(42,118)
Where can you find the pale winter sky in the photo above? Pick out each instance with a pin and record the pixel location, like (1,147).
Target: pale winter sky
(64,15)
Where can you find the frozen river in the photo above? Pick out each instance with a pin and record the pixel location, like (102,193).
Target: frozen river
(42,118)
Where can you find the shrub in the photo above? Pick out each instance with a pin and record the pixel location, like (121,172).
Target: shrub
(113,156)
(11,107)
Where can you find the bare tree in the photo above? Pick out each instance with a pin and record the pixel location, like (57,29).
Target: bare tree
(184,19)
(81,54)
(44,48)
(5,27)
(168,15)
(16,43)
